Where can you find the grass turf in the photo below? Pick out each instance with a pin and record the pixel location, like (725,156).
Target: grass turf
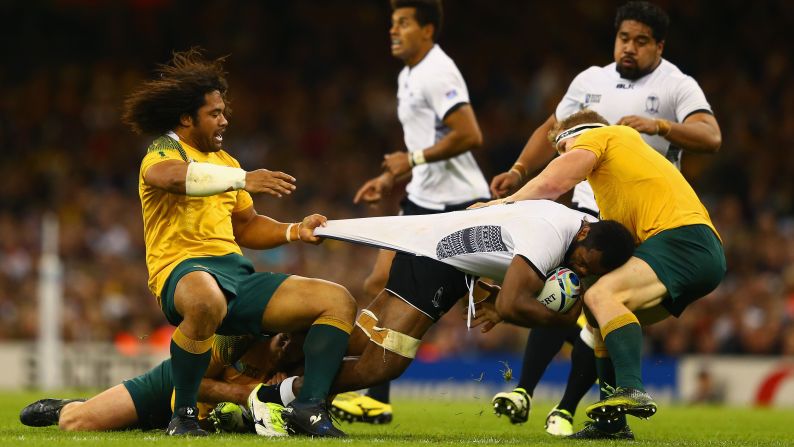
(443,422)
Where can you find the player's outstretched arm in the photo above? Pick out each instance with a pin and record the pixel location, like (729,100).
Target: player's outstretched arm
(464,135)
(517,302)
(207,179)
(252,230)
(536,154)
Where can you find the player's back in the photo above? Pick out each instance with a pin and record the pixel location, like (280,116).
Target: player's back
(636,186)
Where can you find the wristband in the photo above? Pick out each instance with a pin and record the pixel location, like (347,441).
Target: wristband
(416,158)
(519,169)
(288,234)
(207,179)
(663,127)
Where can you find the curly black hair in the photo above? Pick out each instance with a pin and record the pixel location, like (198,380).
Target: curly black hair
(180,88)
(647,13)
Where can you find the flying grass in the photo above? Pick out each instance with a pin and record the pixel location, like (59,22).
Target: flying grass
(437,421)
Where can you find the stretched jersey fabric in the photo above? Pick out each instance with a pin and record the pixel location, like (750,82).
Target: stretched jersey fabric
(665,93)
(636,186)
(177,227)
(426,94)
(481,242)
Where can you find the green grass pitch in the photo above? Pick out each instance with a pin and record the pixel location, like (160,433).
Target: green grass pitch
(443,422)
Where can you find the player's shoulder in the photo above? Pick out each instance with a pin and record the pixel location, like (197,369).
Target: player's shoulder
(165,143)
(595,73)
(437,62)
(669,73)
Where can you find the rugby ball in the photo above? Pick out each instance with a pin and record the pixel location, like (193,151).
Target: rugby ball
(561,290)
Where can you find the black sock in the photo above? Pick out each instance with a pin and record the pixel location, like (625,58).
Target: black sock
(270,393)
(543,344)
(582,377)
(380,392)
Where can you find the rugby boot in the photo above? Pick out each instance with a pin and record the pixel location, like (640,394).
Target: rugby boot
(513,404)
(355,407)
(185,423)
(310,418)
(590,431)
(559,422)
(622,401)
(267,416)
(44,412)
(228,417)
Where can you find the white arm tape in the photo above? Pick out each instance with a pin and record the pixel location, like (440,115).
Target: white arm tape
(207,179)
(587,337)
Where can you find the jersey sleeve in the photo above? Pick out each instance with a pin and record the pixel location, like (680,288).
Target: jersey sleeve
(572,102)
(159,152)
(594,141)
(444,91)
(689,98)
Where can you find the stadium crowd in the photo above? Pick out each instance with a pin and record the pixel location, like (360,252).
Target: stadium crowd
(313,95)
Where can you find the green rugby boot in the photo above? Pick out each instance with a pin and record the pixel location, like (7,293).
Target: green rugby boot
(228,417)
(622,401)
(590,431)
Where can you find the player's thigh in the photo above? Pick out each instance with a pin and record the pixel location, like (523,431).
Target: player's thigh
(377,278)
(198,292)
(634,284)
(299,301)
(112,409)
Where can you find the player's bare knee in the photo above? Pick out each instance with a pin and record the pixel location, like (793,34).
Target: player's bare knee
(209,311)
(596,295)
(341,303)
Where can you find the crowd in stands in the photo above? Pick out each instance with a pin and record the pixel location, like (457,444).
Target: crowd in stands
(313,94)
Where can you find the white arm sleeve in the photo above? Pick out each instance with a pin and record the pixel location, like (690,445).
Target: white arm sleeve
(207,179)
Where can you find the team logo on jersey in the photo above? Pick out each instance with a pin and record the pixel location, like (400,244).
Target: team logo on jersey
(451,94)
(592,98)
(652,104)
(481,239)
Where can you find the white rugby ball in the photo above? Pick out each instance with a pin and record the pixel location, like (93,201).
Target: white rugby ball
(561,290)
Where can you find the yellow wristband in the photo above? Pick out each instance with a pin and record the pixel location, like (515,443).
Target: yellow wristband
(663,127)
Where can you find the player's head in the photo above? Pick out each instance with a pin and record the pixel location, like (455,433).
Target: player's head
(188,94)
(641,30)
(599,247)
(563,134)
(416,25)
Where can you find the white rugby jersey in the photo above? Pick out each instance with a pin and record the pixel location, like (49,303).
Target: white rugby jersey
(665,93)
(426,92)
(481,242)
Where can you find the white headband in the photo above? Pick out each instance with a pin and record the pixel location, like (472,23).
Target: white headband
(576,130)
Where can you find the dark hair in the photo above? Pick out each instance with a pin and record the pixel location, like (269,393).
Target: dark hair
(581,117)
(179,89)
(427,12)
(647,13)
(613,240)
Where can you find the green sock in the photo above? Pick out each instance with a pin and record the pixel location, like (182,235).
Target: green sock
(625,348)
(187,370)
(606,375)
(324,348)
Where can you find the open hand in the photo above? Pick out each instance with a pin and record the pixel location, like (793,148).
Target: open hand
(275,183)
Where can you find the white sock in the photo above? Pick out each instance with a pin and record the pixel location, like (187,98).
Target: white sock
(285,389)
